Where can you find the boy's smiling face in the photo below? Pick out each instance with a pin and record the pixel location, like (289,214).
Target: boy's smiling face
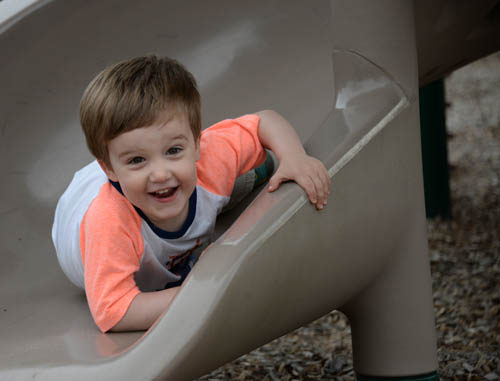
(156,168)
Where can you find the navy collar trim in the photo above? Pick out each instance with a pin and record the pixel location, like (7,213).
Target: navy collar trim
(158,231)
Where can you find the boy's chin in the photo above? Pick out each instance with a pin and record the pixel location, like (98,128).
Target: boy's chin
(171,222)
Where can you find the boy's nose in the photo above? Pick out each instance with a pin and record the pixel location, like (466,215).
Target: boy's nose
(159,173)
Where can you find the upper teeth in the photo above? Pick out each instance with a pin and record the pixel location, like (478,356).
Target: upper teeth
(163,191)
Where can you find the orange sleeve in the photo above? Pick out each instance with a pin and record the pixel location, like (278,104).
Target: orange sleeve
(229,149)
(111,245)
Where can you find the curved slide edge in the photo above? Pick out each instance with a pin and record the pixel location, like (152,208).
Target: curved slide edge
(376,208)
(12,11)
(264,276)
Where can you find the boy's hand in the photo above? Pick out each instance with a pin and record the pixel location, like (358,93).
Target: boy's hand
(279,136)
(308,172)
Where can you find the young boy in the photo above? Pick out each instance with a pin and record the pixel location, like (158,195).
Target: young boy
(127,225)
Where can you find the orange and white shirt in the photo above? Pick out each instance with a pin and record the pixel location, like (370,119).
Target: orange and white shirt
(108,247)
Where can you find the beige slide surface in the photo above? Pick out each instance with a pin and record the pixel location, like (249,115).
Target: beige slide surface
(343,72)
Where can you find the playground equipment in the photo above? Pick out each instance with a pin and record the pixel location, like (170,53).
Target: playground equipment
(343,72)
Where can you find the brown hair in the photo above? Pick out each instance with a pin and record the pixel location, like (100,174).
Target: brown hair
(133,94)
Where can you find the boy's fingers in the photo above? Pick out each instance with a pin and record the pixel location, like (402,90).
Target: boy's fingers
(320,192)
(322,186)
(315,182)
(308,185)
(274,182)
(326,180)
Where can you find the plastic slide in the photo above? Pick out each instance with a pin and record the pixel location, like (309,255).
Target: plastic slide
(350,88)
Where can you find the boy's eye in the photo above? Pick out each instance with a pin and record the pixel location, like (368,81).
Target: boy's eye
(174,150)
(136,160)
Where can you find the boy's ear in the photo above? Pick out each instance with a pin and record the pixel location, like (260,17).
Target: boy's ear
(108,170)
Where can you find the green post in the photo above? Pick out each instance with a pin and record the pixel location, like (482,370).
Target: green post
(434,150)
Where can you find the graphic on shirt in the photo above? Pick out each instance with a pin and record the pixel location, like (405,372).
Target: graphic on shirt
(177,260)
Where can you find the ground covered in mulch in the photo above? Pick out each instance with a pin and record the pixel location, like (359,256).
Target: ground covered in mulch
(464,253)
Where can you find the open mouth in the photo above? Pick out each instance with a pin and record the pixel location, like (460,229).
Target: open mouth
(164,193)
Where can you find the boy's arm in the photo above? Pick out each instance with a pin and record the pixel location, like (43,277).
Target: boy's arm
(145,309)
(280,137)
